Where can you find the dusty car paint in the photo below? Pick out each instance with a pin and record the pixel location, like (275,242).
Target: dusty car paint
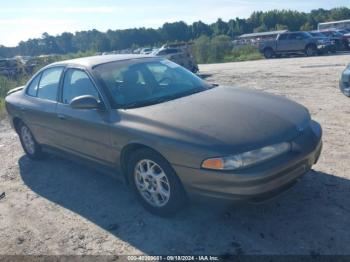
(344,82)
(220,121)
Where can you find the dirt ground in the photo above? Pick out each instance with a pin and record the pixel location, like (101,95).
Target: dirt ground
(59,207)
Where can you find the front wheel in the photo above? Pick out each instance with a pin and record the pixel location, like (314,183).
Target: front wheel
(310,50)
(155,183)
(29,144)
(268,53)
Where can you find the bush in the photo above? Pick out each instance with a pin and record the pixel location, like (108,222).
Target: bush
(243,53)
(5,86)
(220,49)
(213,50)
(2,108)
(201,49)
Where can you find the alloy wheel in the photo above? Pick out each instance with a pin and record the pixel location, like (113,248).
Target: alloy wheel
(152,183)
(28,140)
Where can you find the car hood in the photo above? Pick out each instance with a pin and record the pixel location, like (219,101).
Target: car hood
(224,118)
(321,38)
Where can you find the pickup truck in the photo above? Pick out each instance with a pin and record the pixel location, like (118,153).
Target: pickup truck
(292,43)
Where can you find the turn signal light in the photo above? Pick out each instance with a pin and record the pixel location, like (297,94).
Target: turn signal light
(213,163)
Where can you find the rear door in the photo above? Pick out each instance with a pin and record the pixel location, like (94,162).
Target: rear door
(40,109)
(84,132)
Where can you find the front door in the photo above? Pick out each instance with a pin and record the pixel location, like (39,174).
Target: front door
(84,132)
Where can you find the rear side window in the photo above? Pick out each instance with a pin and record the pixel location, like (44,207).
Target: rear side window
(33,87)
(49,83)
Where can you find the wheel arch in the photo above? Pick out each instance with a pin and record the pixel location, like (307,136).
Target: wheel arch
(267,48)
(16,122)
(127,151)
(310,45)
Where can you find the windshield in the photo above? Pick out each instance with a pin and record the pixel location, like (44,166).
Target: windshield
(136,83)
(342,31)
(334,33)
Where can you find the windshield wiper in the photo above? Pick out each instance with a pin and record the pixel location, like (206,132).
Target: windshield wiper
(141,103)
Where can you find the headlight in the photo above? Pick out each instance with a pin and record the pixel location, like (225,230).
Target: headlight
(246,159)
(321,41)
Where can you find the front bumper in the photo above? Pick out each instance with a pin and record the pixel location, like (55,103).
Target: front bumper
(325,48)
(344,83)
(251,183)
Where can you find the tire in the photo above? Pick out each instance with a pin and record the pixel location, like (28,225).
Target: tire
(149,174)
(345,92)
(310,50)
(268,53)
(30,146)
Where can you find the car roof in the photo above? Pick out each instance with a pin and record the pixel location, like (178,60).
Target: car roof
(293,32)
(91,61)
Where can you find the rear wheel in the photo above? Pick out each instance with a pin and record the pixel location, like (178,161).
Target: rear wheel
(268,53)
(29,144)
(155,183)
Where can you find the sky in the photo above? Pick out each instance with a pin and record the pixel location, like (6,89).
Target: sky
(21,20)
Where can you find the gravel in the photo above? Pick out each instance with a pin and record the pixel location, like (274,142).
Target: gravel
(57,207)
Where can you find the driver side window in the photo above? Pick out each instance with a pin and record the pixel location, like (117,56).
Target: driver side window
(77,83)
(283,37)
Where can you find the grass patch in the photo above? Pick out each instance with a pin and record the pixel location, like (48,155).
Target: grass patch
(2,108)
(220,49)
(5,85)
(243,53)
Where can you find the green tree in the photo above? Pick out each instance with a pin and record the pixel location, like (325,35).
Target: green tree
(178,31)
(86,41)
(306,27)
(219,47)
(281,27)
(219,27)
(262,28)
(199,28)
(201,49)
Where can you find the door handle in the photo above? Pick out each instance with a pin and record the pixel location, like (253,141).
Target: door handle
(62,117)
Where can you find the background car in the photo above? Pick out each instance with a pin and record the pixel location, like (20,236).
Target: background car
(345,81)
(292,43)
(341,41)
(329,44)
(180,54)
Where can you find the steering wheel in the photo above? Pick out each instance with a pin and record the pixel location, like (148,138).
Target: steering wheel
(163,79)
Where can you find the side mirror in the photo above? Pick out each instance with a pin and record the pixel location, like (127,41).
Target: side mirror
(85,102)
